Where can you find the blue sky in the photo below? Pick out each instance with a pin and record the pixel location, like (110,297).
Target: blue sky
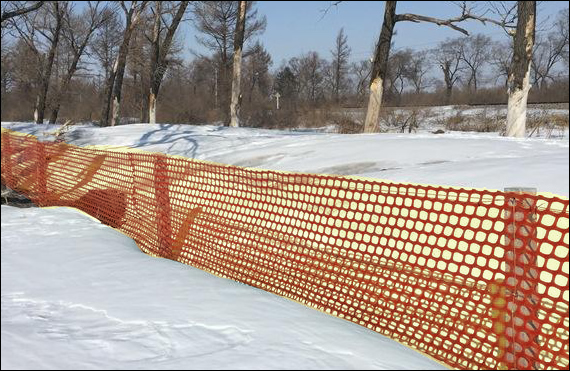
(296,27)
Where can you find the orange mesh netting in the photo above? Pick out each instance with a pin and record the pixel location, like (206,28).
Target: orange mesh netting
(472,278)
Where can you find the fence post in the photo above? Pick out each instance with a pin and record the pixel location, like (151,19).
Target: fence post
(41,173)
(163,209)
(6,159)
(520,345)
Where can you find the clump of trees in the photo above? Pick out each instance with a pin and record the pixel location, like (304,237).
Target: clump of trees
(116,62)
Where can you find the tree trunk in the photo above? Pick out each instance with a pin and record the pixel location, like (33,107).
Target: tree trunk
(107,96)
(67,80)
(448,92)
(159,62)
(119,73)
(55,111)
(118,87)
(379,68)
(519,73)
(115,87)
(374,105)
(236,79)
(39,109)
(152,108)
(154,63)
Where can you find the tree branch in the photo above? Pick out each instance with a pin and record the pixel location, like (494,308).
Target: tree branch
(22,11)
(440,22)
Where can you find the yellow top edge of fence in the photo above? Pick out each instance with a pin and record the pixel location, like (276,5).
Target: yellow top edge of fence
(127,149)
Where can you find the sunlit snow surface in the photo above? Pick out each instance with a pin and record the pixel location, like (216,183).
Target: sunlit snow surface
(77,294)
(475,160)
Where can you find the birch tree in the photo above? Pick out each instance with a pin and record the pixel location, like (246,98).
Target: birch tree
(238,46)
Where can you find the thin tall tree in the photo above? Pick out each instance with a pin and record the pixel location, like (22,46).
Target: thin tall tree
(340,54)
(160,49)
(238,46)
(78,33)
(114,83)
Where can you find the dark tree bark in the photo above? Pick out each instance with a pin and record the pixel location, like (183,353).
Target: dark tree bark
(18,12)
(40,107)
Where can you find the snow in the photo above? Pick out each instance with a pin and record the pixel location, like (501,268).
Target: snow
(78,294)
(463,159)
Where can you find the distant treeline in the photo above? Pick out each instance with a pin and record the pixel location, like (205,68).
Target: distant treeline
(108,58)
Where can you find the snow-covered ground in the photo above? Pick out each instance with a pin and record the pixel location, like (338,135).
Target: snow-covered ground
(77,294)
(464,159)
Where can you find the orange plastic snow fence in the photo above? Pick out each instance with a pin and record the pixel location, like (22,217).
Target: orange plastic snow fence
(472,278)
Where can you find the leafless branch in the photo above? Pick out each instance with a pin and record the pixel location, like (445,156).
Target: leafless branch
(326,10)
(22,11)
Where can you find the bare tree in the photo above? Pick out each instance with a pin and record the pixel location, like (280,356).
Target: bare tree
(500,58)
(309,71)
(448,57)
(11,9)
(561,27)
(418,68)
(77,32)
(397,73)
(236,77)
(361,72)
(44,25)
(548,51)
(523,14)
(382,53)
(340,54)
(114,83)
(216,21)
(160,46)
(474,53)
(106,41)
